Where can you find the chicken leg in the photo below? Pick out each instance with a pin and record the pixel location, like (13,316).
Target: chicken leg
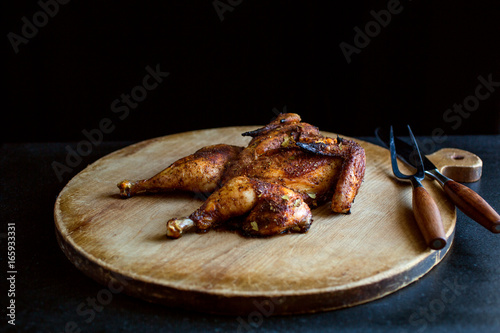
(199,172)
(274,209)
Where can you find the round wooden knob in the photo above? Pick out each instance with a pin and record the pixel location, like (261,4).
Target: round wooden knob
(457,164)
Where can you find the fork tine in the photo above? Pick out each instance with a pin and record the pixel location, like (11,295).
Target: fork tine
(425,210)
(394,160)
(416,156)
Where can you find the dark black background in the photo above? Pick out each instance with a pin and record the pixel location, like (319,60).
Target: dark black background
(264,55)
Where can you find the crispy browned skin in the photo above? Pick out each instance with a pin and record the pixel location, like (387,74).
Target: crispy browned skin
(287,162)
(352,170)
(199,172)
(280,153)
(273,208)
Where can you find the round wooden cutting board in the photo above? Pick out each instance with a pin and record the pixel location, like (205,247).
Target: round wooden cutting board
(342,261)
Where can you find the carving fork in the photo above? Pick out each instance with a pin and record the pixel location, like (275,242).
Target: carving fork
(425,210)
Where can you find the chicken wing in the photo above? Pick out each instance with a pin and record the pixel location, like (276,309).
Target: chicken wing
(352,170)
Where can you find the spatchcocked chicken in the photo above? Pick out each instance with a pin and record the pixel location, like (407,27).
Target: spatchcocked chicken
(287,168)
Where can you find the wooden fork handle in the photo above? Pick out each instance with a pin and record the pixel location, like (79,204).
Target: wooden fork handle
(428,218)
(473,205)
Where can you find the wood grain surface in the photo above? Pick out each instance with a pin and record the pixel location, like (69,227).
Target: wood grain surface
(342,261)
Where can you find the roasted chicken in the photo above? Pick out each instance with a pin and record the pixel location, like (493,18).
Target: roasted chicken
(287,167)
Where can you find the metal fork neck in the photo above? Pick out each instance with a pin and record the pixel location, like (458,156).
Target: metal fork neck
(415,182)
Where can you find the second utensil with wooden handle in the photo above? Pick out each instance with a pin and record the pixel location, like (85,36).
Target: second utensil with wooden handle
(468,201)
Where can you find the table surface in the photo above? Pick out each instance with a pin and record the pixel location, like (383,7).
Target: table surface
(461,294)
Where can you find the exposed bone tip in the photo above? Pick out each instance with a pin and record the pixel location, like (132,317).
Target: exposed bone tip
(125,187)
(177,227)
(173,230)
